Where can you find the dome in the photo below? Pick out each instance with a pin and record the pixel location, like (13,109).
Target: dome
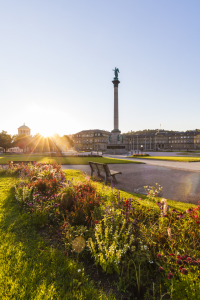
(24,127)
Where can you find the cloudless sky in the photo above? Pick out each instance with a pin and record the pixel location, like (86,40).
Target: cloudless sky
(56,61)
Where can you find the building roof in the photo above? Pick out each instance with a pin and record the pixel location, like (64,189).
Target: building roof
(90,130)
(24,127)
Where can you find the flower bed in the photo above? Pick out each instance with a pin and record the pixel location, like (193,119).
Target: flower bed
(153,248)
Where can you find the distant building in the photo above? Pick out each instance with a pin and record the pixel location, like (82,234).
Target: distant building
(24,130)
(93,139)
(164,140)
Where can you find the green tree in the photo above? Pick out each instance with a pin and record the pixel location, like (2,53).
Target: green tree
(67,141)
(23,142)
(5,140)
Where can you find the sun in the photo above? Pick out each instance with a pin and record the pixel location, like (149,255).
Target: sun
(47,133)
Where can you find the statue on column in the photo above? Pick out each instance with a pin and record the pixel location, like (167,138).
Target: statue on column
(116,71)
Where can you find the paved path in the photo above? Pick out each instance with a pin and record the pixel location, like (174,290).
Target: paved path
(178,183)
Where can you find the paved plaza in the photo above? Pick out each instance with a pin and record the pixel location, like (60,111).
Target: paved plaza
(180,180)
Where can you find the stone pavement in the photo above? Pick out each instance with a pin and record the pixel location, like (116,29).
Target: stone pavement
(179,184)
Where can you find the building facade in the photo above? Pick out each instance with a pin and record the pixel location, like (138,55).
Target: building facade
(164,140)
(91,140)
(159,140)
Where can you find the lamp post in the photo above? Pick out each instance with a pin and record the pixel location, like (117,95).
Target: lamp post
(155,137)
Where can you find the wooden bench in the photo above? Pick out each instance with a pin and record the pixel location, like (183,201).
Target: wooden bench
(102,168)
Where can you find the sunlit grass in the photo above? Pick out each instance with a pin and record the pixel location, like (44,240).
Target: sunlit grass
(62,160)
(171,158)
(29,267)
(32,269)
(78,176)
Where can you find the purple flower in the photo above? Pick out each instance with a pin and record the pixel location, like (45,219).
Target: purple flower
(111,184)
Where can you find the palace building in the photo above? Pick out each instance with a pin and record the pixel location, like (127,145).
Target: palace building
(93,139)
(162,140)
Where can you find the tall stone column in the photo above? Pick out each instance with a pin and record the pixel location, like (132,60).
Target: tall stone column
(116,114)
(116,141)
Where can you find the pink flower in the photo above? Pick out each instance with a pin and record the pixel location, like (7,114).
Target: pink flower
(179,262)
(184,271)
(170,275)
(161,270)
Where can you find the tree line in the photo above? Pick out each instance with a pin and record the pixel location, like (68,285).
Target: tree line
(36,143)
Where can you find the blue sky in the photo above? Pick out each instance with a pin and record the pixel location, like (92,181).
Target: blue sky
(56,61)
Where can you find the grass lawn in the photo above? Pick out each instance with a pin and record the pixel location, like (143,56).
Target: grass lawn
(171,158)
(63,160)
(33,265)
(30,268)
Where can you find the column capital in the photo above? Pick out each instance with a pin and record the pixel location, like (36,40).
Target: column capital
(115,82)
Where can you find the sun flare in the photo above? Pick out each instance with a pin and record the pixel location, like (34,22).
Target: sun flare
(47,133)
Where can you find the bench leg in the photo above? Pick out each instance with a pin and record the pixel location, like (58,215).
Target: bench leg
(106,178)
(114,179)
(91,173)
